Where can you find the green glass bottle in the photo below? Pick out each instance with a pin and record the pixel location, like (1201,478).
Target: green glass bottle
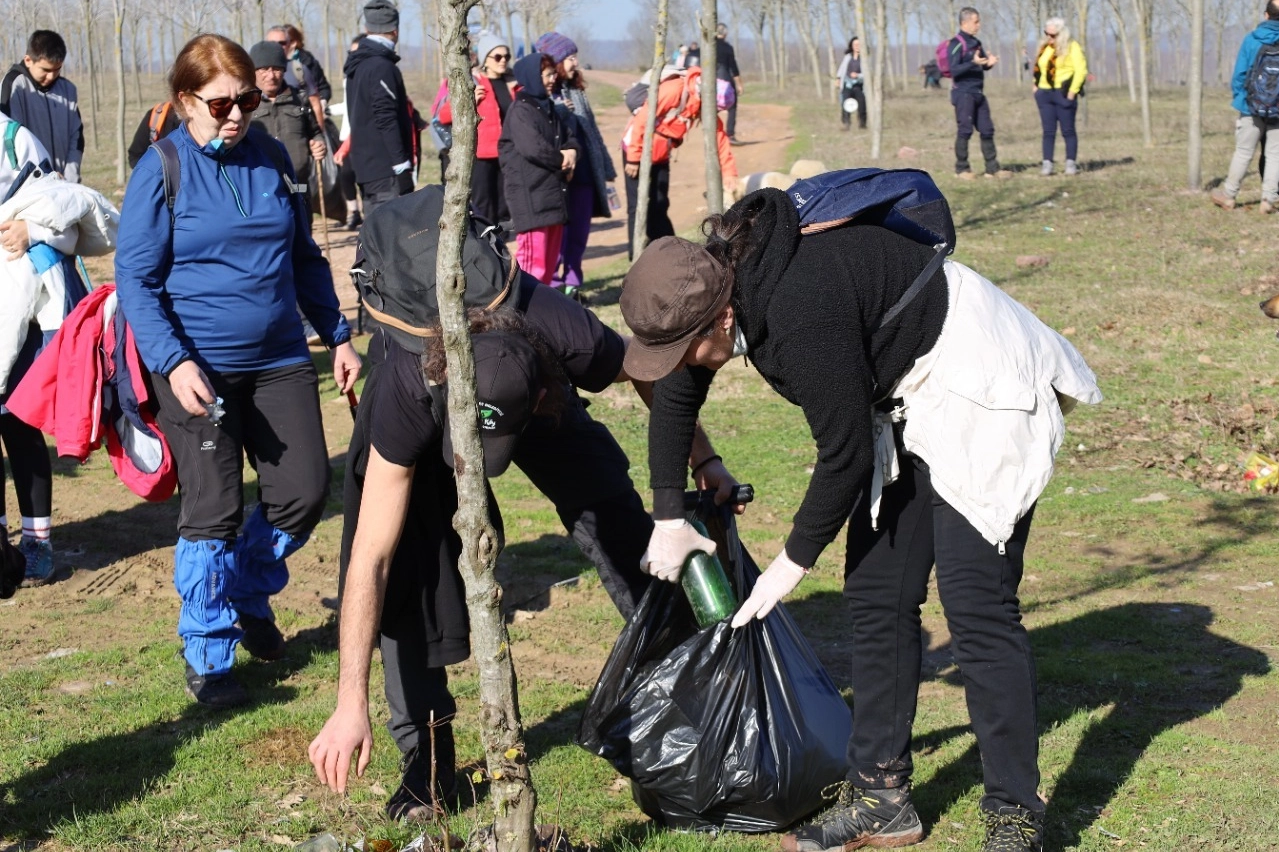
(707,586)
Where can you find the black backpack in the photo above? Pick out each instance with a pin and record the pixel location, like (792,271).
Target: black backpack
(394,269)
(1262,87)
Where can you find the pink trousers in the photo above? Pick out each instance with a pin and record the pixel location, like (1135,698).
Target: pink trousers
(538,251)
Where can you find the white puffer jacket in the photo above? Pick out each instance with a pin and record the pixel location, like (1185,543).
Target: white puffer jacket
(985,407)
(69,217)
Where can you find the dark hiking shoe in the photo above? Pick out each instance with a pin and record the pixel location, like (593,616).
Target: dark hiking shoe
(354,221)
(38,554)
(1014,830)
(261,638)
(215,690)
(413,799)
(880,819)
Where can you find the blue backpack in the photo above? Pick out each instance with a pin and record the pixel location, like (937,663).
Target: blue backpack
(905,201)
(1262,85)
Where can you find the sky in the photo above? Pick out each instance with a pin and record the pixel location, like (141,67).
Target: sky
(600,19)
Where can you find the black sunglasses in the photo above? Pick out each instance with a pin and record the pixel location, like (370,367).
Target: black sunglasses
(220,108)
(500,57)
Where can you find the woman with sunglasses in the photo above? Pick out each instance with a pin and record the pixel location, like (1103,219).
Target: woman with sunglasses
(209,279)
(495,92)
(1060,71)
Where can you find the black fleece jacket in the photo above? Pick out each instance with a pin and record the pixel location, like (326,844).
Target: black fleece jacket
(377,111)
(530,151)
(809,309)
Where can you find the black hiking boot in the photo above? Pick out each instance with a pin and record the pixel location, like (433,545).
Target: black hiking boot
(261,638)
(219,691)
(880,819)
(413,799)
(1013,829)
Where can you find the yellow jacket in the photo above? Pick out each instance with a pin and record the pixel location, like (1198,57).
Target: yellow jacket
(1070,71)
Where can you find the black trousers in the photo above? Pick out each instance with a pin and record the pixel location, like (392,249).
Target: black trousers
(659,205)
(858,94)
(886,582)
(972,111)
(273,417)
(28,455)
(488,193)
(375,193)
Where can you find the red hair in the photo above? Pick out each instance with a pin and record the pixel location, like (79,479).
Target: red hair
(204,58)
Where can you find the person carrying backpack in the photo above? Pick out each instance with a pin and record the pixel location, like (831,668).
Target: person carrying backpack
(1060,72)
(967,63)
(213,257)
(1255,87)
(936,403)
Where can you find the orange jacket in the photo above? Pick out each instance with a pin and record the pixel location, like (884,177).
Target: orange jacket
(673,123)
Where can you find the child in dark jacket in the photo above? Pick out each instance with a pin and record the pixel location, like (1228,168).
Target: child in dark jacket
(538,153)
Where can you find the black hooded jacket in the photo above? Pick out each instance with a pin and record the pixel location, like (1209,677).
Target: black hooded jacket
(529,149)
(377,110)
(808,308)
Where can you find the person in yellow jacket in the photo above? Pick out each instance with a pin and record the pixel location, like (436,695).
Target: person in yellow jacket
(1060,72)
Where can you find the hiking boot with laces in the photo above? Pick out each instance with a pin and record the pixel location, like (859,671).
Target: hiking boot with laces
(1014,830)
(879,819)
(38,552)
(261,638)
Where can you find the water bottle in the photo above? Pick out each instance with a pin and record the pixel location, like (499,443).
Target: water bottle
(614,203)
(707,586)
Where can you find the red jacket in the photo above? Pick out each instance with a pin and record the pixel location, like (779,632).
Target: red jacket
(62,395)
(490,128)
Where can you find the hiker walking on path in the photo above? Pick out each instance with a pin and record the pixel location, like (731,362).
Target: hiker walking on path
(588,191)
(1255,90)
(851,84)
(968,63)
(1060,72)
(209,278)
(726,69)
(883,404)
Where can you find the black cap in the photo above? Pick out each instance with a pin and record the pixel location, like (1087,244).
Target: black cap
(268,54)
(507,388)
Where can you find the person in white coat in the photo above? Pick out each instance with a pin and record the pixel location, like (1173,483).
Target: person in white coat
(41,221)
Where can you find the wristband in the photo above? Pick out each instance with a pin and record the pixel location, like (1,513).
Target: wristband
(705,462)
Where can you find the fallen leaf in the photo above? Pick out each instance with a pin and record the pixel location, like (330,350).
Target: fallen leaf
(1204,359)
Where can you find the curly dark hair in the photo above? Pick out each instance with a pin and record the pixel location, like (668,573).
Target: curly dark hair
(511,321)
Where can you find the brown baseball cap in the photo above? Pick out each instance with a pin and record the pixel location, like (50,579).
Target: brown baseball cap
(672,292)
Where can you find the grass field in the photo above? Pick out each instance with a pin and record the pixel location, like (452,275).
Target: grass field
(1149,594)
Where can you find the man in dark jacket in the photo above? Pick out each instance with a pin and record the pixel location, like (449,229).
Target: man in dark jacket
(726,69)
(968,66)
(378,111)
(284,114)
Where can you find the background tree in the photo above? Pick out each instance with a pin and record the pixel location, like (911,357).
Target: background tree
(710,113)
(640,236)
(1194,148)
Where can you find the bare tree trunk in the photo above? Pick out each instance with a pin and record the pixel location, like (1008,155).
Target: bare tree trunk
(121,150)
(831,64)
(1144,22)
(1195,143)
(1081,36)
(903,60)
(710,114)
(1130,70)
(805,27)
(514,799)
(878,62)
(91,61)
(640,236)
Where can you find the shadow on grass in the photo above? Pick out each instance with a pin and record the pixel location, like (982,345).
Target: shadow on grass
(1136,671)
(99,775)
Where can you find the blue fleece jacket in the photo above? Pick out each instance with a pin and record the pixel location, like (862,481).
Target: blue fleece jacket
(219,286)
(1267,32)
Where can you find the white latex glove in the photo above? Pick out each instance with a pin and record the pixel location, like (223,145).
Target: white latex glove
(777,582)
(671,543)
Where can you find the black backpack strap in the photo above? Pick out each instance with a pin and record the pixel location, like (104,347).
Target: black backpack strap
(170,170)
(941,250)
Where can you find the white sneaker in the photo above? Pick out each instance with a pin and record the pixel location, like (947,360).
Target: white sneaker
(1046,169)
(1071,168)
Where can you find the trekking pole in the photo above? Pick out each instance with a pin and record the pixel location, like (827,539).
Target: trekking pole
(324,215)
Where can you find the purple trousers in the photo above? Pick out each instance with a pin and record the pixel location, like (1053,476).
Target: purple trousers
(581,204)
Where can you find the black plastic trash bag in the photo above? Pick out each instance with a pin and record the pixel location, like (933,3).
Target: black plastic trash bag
(718,729)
